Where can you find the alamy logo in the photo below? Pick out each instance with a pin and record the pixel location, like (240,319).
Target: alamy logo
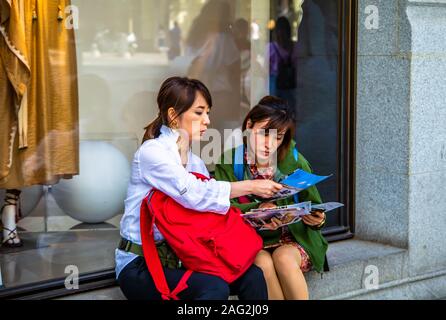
(371,279)
(72,280)
(372,19)
(72,20)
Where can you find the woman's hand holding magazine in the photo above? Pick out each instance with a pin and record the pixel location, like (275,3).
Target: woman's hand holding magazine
(275,218)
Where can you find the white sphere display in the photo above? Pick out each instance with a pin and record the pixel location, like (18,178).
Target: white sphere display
(29,198)
(98,193)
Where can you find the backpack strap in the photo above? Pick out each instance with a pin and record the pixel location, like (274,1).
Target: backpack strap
(296,154)
(296,157)
(147,221)
(239,165)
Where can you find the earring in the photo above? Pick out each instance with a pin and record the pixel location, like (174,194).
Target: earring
(175,124)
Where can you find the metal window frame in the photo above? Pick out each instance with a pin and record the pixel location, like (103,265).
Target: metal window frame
(346,120)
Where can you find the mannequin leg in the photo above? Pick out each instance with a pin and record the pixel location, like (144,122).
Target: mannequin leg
(9,219)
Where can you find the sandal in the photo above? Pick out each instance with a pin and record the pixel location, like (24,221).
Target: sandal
(9,241)
(11,199)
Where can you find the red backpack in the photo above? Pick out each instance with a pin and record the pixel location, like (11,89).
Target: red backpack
(205,242)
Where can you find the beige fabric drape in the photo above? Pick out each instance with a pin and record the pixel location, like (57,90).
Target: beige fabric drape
(39,139)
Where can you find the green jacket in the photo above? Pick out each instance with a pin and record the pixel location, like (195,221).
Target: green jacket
(309,238)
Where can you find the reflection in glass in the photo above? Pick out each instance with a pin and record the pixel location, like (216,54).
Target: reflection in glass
(304,38)
(125,49)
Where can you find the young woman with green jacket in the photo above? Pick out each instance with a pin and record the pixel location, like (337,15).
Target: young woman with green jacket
(290,251)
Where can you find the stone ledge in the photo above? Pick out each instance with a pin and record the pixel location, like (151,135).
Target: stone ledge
(113,293)
(430,286)
(347,260)
(346,278)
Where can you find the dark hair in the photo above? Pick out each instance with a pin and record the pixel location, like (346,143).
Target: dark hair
(279,116)
(178,93)
(283,33)
(214,16)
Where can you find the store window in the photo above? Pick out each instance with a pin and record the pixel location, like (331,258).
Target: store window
(78,83)
(314,38)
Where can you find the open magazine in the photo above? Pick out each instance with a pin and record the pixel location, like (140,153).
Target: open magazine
(285,215)
(295,183)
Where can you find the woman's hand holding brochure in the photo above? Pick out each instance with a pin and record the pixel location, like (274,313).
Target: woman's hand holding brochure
(271,219)
(295,183)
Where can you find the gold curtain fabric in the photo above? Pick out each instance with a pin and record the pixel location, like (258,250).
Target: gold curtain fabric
(39,136)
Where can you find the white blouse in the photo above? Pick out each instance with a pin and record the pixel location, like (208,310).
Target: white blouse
(157,164)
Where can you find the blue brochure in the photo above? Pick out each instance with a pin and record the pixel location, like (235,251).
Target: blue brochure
(302,180)
(293,184)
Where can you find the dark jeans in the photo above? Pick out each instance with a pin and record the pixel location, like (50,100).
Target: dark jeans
(137,284)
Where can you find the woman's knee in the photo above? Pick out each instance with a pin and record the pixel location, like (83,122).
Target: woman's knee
(265,262)
(286,258)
